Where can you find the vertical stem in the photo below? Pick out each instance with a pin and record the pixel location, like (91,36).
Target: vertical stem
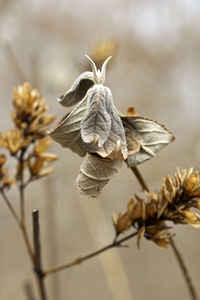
(22,205)
(184,271)
(28,244)
(10,207)
(21,186)
(177,254)
(139,177)
(37,248)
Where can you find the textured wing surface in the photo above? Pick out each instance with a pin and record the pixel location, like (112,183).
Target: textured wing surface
(154,136)
(78,90)
(95,172)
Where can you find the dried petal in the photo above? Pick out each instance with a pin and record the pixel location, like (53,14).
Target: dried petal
(192,182)
(192,218)
(2,160)
(1,140)
(45,172)
(14,140)
(123,223)
(141,233)
(42,145)
(103,49)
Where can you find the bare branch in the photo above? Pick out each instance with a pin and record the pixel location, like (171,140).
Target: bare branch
(37,250)
(79,260)
(184,270)
(11,208)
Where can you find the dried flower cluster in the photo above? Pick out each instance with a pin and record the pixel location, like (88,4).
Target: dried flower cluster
(28,140)
(173,203)
(103,49)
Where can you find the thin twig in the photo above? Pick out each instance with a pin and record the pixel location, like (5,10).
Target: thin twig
(27,243)
(11,208)
(21,225)
(79,260)
(184,271)
(37,249)
(177,254)
(140,179)
(21,186)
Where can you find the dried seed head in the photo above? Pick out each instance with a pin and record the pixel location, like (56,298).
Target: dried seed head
(173,203)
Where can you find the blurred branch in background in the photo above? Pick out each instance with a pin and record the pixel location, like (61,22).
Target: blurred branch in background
(52,232)
(12,60)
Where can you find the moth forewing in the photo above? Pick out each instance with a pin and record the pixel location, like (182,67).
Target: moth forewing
(67,132)
(78,90)
(96,124)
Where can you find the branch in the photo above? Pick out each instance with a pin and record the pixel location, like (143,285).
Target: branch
(11,208)
(140,179)
(177,254)
(21,186)
(37,250)
(79,260)
(184,271)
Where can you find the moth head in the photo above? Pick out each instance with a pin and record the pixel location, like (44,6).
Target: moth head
(99,75)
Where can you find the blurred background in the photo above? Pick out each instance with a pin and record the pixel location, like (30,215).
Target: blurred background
(155,68)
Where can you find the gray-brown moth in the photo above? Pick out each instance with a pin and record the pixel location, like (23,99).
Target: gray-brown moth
(96,130)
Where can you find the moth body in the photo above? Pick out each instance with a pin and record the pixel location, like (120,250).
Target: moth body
(96,131)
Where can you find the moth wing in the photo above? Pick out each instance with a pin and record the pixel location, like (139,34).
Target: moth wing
(154,136)
(101,128)
(115,145)
(96,124)
(133,139)
(67,132)
(78,90)
(95,172)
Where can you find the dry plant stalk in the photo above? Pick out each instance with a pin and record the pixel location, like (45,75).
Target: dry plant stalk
(27,143)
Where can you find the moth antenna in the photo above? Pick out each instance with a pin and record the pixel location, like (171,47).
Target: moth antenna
(103,69)
(94,69)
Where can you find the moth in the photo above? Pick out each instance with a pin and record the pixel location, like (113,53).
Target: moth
(96,131)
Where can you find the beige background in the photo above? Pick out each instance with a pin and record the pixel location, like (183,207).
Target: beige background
(156,69)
